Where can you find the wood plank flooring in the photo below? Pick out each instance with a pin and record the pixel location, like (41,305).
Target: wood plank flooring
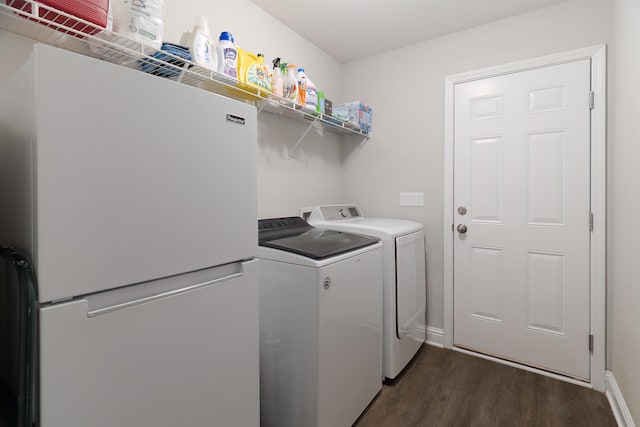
(444,388)
(448,388)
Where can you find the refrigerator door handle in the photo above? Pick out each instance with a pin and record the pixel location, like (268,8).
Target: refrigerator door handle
(111,304)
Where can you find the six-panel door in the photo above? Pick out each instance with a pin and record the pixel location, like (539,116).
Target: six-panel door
(521,269)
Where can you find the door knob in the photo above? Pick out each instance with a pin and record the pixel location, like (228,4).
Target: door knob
(461,228)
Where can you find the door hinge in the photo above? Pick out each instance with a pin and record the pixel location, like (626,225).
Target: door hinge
(591,343)
(591,100)
(452,225)
(590,221)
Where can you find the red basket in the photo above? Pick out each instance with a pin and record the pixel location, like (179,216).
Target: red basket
(94,11)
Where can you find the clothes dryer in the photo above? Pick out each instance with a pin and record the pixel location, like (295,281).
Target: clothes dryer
(404,293)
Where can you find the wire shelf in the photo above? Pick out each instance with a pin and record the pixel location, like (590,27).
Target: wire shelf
(47,25)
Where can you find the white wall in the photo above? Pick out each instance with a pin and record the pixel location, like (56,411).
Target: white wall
(311,176)
(623,293)
(15,52)
(406,89)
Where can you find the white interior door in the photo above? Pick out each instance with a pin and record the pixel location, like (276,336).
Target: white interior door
(521,172)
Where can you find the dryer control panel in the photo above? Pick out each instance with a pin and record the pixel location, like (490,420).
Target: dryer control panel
(335,212)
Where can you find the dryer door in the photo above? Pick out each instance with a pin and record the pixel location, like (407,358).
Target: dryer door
(410,285)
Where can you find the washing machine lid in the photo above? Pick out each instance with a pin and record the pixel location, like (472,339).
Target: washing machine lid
(294,235)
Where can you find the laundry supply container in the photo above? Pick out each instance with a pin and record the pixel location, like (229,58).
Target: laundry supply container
(94,11)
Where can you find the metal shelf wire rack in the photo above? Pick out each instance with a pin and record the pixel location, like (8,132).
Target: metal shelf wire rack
(57,28)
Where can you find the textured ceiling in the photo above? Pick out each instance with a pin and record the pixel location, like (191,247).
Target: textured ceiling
(352,29)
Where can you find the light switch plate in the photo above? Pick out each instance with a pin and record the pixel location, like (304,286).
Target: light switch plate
(412,199)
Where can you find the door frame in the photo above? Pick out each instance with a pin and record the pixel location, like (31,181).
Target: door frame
(597,54)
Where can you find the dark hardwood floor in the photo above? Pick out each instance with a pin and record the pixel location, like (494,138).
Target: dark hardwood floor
(444,388)
(448,388)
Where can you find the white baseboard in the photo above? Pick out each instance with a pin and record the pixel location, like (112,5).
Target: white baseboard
(523,367)
(435,336)
(616,400)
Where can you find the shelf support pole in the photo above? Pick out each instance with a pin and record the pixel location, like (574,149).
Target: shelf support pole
(302,137)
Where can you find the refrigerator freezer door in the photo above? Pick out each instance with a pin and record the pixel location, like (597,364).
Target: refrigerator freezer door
(137,177)
(190,359)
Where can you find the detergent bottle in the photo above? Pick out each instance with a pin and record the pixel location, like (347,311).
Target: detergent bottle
(290,80)
(311,99)
(140,21)
(263,72)
(320,107)
(302,87)
(227,53)
(253,72)
(199,43)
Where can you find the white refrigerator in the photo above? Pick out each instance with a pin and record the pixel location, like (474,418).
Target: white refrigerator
(135,198)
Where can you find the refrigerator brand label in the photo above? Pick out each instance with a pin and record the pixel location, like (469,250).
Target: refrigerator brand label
(235,119)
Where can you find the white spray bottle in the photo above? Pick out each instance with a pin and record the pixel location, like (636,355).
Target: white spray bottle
(277,84)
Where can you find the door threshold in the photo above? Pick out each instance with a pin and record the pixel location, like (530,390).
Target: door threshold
(568,379)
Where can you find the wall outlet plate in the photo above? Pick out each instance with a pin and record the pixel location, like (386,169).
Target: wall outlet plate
(412,199)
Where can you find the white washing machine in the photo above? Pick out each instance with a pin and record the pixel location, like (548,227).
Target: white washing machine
(404,277)
(320,324)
